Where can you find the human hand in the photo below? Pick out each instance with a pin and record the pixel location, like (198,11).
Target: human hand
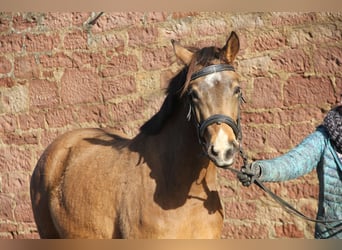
(249,173)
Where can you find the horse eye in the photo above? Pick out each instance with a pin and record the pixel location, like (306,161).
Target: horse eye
(194,95)
(237,90)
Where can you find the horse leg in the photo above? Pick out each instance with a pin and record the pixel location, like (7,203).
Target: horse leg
(41,210)
(45,225)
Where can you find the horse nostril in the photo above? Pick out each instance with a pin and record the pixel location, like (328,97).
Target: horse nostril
(213,151)
(229,153)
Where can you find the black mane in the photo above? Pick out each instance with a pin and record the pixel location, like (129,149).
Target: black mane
(177,87)
(171,102)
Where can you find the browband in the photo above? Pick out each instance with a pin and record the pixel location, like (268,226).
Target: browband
(212,69)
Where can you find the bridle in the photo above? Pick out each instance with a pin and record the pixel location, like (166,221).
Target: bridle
(236,127)
(216,118)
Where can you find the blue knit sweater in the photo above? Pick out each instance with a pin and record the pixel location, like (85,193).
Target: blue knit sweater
(315,151)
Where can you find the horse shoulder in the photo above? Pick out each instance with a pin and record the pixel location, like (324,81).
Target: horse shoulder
(77,161)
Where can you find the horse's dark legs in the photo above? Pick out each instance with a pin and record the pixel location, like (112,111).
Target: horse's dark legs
(45,225)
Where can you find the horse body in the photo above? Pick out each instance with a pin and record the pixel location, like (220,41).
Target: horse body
(138,199)
(94,183)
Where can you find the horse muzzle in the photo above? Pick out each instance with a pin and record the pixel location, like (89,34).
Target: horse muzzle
(223,148)
(222,151)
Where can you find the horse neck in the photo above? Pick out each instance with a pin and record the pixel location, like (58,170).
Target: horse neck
(181,153)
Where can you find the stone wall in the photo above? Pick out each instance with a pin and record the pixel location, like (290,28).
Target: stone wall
(58,73)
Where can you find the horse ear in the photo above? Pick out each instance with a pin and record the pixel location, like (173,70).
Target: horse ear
(182,53)
(232,47)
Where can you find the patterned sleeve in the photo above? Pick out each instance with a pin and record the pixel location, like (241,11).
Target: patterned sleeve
(298,161)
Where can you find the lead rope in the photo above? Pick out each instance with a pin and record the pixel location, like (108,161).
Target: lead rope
(284,204)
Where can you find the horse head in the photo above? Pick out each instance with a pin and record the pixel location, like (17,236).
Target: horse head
(214,94)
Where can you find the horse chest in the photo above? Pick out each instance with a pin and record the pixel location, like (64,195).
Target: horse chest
(187,221)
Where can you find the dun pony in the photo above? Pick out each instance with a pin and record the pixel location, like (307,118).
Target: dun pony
(94,183)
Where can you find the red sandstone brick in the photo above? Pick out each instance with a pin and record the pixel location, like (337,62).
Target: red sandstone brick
(328,60)
(24,235)
(211,27)
(254,137)
(16,183)
(112,42)
(288,231)
(292,18)
(329,16)
(14,159)
(310,90)
(5,65)
(80,86)
(60,20)
(31,120)
(301,38)
(249,21)
(99,114)
(245,231)
(240,210)
(48,74)
(310,210)
(292,60)
(7,82)
(20,138)
(142,36)
(112,21)
(269,40)
(177,31)
(227,191)
(120,64)
(57,20)
(49,136)
(255,67)
(184,14)
(128,111)
(78,18)
(59,118)
(5,20)
(40,42)
(25,21)
(338,93)
(301,114)
(23,211)
(55,60)
(8,227)
(11,43)
(26,67)
(264,117)
(43,93)
(7,236)
(154,59)
(267,93)
(228,176)
(153,17)
(121,85)
(277,138)
(6,208)
(80,59)
(8,123)
(251,193)
(302,190)
(300,131)
(76,40)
